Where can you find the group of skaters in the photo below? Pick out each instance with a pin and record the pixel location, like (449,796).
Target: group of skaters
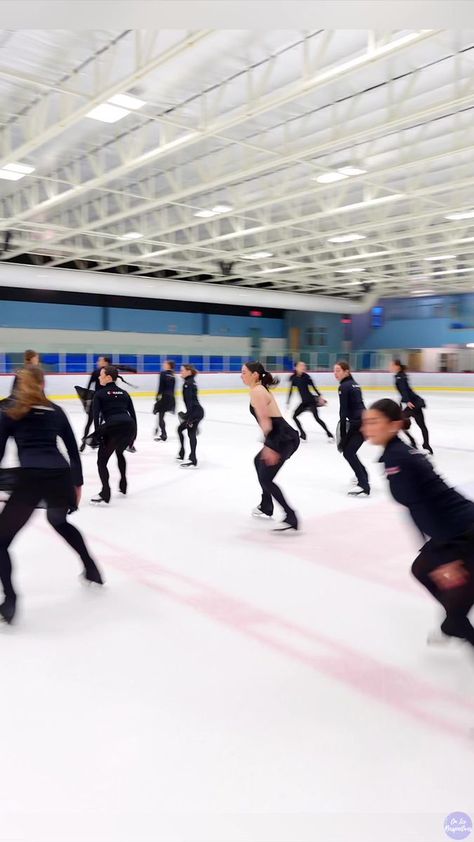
(445,519)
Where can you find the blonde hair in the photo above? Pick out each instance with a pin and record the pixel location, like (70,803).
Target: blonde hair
(29,392)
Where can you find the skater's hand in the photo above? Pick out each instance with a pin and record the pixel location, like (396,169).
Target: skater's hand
(411,405)
(78,494)
(452,575)
(269,456)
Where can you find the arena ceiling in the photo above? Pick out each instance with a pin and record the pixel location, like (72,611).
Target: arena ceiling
(332,163)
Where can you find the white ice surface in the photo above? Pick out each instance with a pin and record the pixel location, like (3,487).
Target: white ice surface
(230,684)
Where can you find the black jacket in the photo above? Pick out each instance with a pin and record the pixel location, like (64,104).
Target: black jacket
(36,439)
(166,385)
(194,410)
(303,382)
(439,512)
(112,405)
(406,392)
(351,405)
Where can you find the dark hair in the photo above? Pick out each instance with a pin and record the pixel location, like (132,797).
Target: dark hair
(110,371)
(392,411)
(29,392)
(29,355)
(190,368)
(344,365)
(171,364)
(266,378)
(400,364)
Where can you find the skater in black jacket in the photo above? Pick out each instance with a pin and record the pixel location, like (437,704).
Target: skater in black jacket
(44,475)
(351,407)
(414,404)
(190,419)
(165,400)
(301,380)
(115,425)
(445,564)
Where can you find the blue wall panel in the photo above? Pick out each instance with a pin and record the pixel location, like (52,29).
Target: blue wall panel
(54,316)
(154,321)
(241,325)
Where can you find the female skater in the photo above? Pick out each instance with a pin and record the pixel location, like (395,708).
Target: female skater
(35,423)
(165,400)
(280,442)
(301,380)
(445,565)
(351,407)
(115,426)
(190,419)
(414,404)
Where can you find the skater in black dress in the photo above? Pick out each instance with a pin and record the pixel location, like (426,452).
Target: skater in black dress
(190,419)
(165,400)
(414,404)
(301,380)
(445,564)
(280,442)
(351,407)
(44,475)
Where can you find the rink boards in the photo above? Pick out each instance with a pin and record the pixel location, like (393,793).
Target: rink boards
(61,386)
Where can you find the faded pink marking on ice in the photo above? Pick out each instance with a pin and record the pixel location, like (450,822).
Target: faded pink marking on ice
(386,684)
(336,541)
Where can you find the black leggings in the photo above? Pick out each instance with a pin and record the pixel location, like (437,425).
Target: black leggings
(270,490)
(353,443)
(418,416)
(457,602)
(114,440)
(192,433)
(309,407)
(35,486)
(162,425)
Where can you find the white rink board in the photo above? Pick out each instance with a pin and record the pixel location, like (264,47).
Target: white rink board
(62,385)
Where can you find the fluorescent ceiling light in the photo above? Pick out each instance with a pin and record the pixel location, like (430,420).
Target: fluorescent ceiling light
(131,235)
(394,197)
(338,175)
(257,255)
(207,213)
(351,171)
(127,101)
(276,269)
(222,208)
(422,292)
(460,215)
(346,271)
(15,171)
(241,233)
(463,240)
(328,177)
(352,284)
(441,257)
(363,254)
(24,169)
(150,254)
(7,175)
(106,113)
(204,214)
(452,271)
(470,345)
(346,238)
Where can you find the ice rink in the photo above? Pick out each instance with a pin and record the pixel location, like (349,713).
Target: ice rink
(231,684)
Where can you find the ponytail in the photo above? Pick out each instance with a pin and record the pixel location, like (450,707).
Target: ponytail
(265,377)
(29,392)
